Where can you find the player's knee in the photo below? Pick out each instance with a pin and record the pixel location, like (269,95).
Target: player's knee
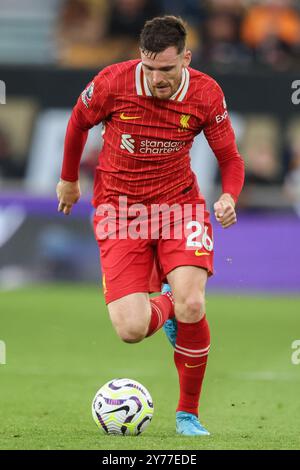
(195,304)
(131,334)
(194,308)
(130,328)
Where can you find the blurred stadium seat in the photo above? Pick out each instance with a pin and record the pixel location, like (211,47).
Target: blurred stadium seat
(26,31)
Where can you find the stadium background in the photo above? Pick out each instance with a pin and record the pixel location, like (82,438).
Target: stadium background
(52,314)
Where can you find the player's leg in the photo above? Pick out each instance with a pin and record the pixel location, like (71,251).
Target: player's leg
(187,261)
(192,343)
(130,271)
(193,339)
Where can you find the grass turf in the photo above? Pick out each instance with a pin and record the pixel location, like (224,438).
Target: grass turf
(61,348)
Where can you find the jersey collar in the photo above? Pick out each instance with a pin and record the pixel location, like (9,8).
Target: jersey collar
(142,87)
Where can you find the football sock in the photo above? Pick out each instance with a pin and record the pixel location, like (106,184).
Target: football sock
(162,308)
(190,356)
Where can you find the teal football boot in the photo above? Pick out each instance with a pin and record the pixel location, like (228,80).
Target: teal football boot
(188,424)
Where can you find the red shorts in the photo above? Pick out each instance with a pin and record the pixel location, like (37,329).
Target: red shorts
(132,263)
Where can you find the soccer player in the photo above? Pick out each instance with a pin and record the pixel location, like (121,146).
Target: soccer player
(151,110)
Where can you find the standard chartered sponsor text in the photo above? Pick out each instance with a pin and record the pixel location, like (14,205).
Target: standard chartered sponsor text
(160,146)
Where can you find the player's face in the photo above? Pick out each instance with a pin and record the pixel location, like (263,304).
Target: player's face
(163,71)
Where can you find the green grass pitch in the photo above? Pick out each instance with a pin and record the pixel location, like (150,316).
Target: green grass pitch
(61,348)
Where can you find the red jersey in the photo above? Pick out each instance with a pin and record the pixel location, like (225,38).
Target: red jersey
(145,155)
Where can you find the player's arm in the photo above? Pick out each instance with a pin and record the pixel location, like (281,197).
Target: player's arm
(232,171)
(220,136)
(91,108)
(68,189)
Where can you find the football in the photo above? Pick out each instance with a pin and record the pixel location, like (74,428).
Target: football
(123,407)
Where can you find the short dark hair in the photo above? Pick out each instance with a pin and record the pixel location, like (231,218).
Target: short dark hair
(162,32)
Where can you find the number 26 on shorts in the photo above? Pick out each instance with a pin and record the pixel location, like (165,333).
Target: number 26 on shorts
(198,238)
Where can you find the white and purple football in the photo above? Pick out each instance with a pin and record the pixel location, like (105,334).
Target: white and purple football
(123,407)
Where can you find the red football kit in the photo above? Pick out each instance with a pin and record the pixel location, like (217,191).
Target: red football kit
(145,157)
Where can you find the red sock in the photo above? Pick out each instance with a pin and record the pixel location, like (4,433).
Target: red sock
(162,308)
(190,356)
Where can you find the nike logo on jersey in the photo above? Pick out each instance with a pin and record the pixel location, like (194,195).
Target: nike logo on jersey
(201,253)
(128,118)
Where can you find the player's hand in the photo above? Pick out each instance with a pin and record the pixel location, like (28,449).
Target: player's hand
(68,193)
(225,211)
